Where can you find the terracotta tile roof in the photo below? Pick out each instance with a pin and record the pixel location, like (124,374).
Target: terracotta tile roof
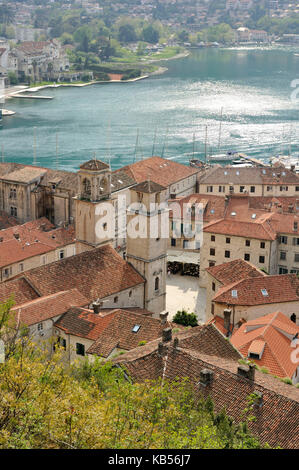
(208,340)
(7,221)
(44,308)
(253,175)
(276,420)
(149,187)
(258,230)
(20,289)
(119,332)
(233,271)
(83,323)
(159,170)
(278,289)
(25,175)
(213,206)
(96,274)
(271,337)
(94,165)
(32,239)
(275,203)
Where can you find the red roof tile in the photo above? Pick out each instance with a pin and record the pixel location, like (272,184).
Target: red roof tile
(233,271)
(96,274)
(31,239)
(271,337)
(160,170)
(279,288)
(44,308)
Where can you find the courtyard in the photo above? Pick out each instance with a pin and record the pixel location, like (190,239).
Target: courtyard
(183,292)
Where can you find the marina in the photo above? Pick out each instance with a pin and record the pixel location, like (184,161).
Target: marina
(258,118)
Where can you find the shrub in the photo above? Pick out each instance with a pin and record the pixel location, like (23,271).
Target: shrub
(186,319)
(287,380)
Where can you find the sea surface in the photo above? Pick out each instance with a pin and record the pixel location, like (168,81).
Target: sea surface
(165,114)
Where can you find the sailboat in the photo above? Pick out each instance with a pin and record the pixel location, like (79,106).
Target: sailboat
(228,156)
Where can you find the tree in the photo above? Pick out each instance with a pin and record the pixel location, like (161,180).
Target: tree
(150,34)
(45,404)
(183,36)
(184,318)
(127,33)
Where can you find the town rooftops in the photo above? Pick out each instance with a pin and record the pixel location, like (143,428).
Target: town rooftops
(270,340)
(260,291)
(258,229)
(94,165)
(25,175)
(19,289)
(119,328)
(276,414)
(233,271)
(213,207)
(249,175)
(159,170)
(96,274)
(32,239)
(45,308)
(7,221)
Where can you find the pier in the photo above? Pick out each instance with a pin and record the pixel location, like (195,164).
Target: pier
(33,97)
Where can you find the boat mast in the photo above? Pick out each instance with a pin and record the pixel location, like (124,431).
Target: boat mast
(136,146)
(206,143)
(56,151)
(220,129)
(154,143)
(165,143)
(34,146)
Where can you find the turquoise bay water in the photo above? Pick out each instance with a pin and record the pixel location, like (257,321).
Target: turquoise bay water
(252,86)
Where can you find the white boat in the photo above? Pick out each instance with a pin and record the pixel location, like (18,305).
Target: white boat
(229,156)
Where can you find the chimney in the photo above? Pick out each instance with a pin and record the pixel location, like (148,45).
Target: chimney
(163,317)
(248,372)
(167,335)
(226,315)
(293,168)
(96,307)
(176,343)
(17,236)
(206,377)
(162,349)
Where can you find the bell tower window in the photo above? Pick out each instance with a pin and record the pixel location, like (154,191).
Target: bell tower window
(86,187)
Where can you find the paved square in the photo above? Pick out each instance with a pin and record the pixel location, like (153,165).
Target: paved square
(183,292)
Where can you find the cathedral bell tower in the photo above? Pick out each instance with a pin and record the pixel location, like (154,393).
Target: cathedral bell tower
(148,252)
(94,189)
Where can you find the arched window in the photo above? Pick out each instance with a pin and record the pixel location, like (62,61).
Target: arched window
(157,281)
(86,187)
